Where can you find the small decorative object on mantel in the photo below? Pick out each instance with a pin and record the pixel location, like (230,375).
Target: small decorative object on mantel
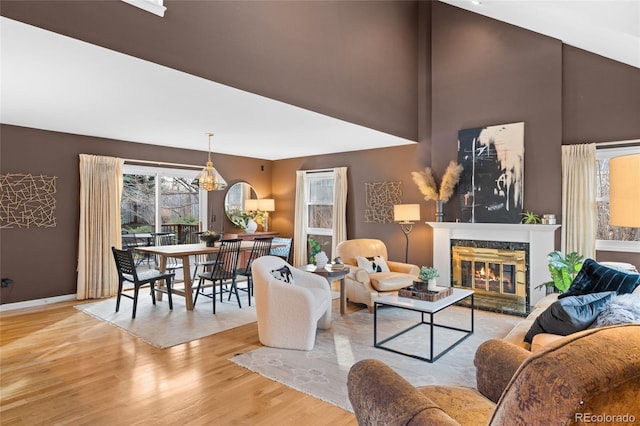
(210,238)
(428,187)
(429,274)
(530,218)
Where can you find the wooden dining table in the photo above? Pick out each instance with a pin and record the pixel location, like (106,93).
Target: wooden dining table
(183,251)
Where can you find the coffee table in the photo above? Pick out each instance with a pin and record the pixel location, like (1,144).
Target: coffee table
(426,309)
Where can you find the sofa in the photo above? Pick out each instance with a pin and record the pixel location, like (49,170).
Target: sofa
(591,376)
(371,273)
(610,272)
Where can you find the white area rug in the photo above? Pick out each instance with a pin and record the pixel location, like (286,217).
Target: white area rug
(163,328)
(322,372)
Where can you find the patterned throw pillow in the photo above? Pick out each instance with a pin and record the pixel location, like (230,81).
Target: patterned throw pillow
(595,277)
(283,274)
(373,264)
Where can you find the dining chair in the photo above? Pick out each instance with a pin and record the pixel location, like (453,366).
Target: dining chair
(283,251)
(224,270)
(127,273)
(167,239)
(261,247)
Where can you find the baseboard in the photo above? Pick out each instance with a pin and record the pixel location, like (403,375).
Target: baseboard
(36,302)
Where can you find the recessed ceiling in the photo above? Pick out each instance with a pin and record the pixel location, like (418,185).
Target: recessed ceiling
(57,83)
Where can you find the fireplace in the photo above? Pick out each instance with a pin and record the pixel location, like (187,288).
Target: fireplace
(495,270)
(539,238)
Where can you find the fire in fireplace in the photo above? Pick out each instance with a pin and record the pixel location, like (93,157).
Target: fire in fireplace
(496,271)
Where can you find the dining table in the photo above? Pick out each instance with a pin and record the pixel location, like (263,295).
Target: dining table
(183,252)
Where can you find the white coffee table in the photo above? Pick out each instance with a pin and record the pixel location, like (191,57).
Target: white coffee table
(425,308)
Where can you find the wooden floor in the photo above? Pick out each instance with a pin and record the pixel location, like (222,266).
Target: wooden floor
(60,366)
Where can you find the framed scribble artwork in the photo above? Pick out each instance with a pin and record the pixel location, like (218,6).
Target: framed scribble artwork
(492,183)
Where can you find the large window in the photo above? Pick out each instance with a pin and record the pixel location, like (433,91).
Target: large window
(608,237)
(162,200)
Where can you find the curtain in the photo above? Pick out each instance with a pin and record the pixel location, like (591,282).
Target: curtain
(300,225)
(579,199)
(339,208)
(100,194)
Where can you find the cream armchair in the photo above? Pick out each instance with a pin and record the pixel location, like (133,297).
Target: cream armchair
(365,287)
(289,313)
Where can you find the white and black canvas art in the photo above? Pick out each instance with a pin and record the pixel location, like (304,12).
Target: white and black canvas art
(492,183)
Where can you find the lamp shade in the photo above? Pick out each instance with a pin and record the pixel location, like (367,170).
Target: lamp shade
(624,191)
(266,204)
(406,212)
(251,205)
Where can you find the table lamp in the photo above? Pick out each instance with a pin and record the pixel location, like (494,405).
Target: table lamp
(266,205)
(406,215)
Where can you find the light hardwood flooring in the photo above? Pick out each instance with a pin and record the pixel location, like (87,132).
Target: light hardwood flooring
(60,366)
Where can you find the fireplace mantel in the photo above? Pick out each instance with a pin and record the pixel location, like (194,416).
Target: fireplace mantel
(541,239)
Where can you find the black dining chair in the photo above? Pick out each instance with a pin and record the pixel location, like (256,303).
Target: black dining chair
(223,271)
(127,273)
(284,251)
(261,247)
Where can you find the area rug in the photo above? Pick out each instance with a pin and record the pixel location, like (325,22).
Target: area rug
(163,328)
(322,372)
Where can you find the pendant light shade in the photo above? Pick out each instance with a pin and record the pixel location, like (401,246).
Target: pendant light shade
(209,179)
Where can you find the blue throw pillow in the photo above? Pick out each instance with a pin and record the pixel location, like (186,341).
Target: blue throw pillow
(595,277)
(570,315)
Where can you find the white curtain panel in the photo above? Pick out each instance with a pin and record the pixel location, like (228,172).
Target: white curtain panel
(100,194)
(339,208)
(300,225)
(579,199)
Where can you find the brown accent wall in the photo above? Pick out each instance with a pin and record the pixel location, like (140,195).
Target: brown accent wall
(293,51)
(600,98)
(42,261)
(377,165)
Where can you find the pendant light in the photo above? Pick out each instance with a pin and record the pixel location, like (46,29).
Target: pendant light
(209,179)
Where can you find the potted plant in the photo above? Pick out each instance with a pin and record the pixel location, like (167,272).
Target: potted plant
(317,256)
(245,220)
(429,274)
(563,270)
(531,218)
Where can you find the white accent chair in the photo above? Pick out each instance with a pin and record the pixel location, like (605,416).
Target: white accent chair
(365,287)
(289,314)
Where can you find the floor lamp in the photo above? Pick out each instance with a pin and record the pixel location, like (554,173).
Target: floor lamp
(406,215)
(624,191)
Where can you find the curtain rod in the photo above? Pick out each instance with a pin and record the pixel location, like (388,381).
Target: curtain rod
(161,163)
(628,142)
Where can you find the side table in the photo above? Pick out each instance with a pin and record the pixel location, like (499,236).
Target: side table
(332,275)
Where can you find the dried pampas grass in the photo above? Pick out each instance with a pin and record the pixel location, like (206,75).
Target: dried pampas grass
(427,183)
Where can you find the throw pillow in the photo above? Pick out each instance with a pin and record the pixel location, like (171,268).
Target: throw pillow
(570,315)
(372,264)
(623,309)
(283,274)
(596,278)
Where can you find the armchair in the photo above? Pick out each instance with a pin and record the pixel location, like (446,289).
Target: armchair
(365,287)
(289,312)
(572,381)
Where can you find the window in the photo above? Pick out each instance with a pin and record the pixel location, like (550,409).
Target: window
(319,208)
(612,238)
(162,200)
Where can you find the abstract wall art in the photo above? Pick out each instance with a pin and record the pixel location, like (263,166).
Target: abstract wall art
(492,183)
(380,198)
(27,200)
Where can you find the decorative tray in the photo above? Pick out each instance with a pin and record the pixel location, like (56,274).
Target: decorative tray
(419,291)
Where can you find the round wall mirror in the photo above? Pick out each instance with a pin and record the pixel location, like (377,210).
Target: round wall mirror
(236,195)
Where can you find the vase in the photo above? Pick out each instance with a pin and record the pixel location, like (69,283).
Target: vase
(432,286)
(321,259)
(439,211)
(252,226)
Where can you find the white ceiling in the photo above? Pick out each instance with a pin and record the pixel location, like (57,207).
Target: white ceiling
(57,83)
